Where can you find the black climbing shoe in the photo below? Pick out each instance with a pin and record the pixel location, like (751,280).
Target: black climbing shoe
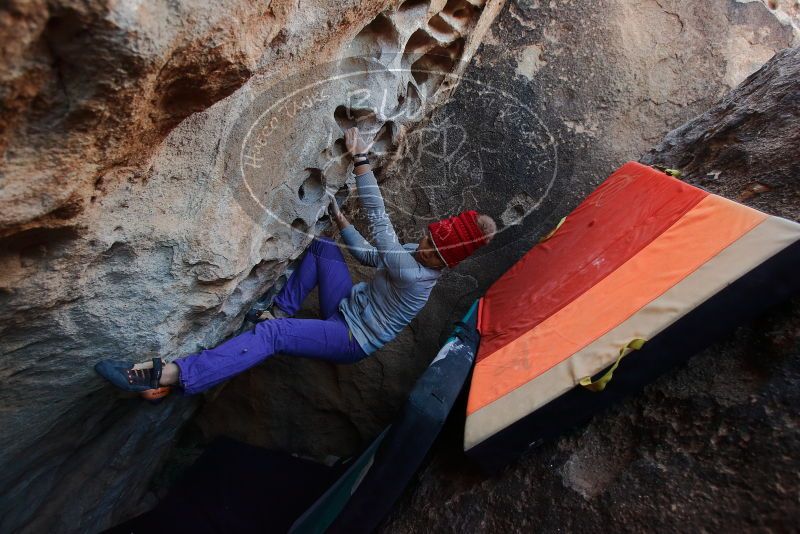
(273,312)
(128,376)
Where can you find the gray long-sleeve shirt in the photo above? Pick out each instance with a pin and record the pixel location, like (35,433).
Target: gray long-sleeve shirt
(378,310)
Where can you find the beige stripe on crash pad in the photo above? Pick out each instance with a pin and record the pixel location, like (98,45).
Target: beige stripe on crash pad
(753,248)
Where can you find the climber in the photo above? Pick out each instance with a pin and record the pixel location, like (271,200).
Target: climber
(356,320)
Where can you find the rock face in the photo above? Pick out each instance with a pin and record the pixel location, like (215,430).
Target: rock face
(141,214)
(164,161)
(711,445)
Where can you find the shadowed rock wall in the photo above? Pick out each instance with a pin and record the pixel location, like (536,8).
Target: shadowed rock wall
(129,228)
(710,446)
(556,98)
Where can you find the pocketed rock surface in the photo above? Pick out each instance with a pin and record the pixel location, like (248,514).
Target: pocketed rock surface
(146,202)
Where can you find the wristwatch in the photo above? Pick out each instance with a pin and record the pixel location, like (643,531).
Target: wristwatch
(360,159)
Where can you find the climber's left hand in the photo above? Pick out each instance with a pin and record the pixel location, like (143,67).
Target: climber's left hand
(336,213)
(354,143)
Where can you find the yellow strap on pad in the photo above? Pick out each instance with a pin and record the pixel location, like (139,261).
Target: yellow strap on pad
(601,383)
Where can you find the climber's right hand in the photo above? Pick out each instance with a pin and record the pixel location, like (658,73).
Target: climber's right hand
(333,206)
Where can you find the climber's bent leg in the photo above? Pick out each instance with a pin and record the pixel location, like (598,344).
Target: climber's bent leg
(323,265)
(312,338)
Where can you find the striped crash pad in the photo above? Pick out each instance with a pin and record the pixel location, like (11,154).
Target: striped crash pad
(647,267)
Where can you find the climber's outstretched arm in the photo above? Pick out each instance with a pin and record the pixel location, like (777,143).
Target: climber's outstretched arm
(398,261)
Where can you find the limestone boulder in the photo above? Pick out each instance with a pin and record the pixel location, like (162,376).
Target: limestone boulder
(146,200)
(163,163)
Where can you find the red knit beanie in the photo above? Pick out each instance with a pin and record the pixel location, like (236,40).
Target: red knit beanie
(457,237)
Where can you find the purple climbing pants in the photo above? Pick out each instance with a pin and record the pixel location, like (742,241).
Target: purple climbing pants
(327,339)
